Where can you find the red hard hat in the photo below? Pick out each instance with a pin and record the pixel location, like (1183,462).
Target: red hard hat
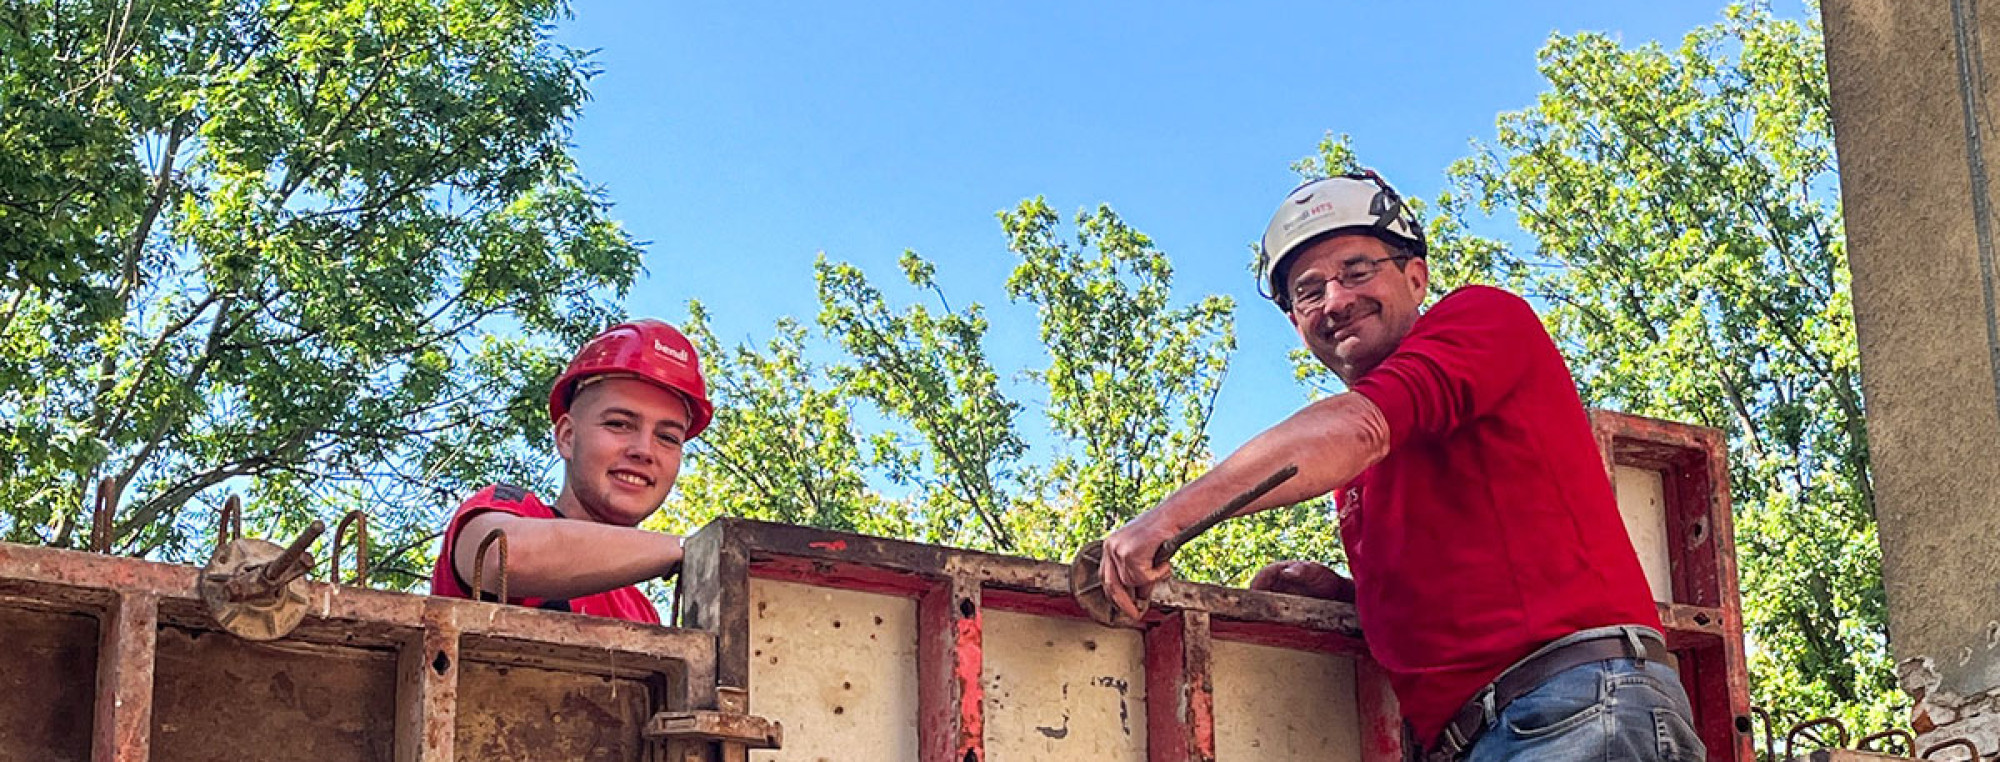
(649,349)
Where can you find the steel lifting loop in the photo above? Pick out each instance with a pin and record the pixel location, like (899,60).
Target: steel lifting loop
(101,516)
(1770,732)
(479,565)
(1971,749)
(1908,743)
(229,526)
(359,521)
(1800,730)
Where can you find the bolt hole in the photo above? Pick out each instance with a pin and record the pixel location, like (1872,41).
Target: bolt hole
(1742,724)
(965,608)
(971,756)
(1701,619)
(441,664)
(1697,532)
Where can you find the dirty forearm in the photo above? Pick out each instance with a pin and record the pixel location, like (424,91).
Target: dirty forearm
(1331,440)
(562,558)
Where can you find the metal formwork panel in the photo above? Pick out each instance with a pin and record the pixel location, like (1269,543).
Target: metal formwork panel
(1704,617)
(118,661)
(998,640)
(1008,668)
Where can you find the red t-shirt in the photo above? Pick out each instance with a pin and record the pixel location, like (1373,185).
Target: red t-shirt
(625,603)
(1491,528)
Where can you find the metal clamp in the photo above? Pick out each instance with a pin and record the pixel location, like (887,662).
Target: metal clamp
(728,726)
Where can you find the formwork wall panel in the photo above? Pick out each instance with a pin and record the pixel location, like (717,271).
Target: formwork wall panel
(839,667)
(47,682)
(1283,705)
(1062,689)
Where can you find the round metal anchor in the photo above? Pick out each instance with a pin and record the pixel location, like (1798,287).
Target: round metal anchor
(255,589)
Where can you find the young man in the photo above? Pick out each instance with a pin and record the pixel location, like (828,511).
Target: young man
(1492,571)
(622,411)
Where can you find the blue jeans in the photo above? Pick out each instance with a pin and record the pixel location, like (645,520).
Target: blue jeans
(1620,709)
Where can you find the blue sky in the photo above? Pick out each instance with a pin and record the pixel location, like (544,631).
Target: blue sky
(742,139)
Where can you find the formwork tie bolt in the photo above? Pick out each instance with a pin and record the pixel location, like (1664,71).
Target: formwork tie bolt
(271,577)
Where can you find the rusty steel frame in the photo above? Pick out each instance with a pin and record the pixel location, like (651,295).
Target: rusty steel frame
(133,599)
(953,587)
(1705,621)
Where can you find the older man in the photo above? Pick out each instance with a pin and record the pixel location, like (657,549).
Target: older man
(1492,573)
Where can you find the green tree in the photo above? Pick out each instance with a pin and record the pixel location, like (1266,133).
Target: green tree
(1686,245)
(276,247)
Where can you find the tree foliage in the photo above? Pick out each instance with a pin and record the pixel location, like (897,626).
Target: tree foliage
(1687,248)
(278,245)
(910,430)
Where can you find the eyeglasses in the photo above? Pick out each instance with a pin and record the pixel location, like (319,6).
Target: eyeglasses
(1311,293)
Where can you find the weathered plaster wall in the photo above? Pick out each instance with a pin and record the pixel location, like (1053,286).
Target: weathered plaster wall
(1913,89)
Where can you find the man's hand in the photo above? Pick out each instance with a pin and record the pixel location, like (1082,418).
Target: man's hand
(1129,573)
(1307,578)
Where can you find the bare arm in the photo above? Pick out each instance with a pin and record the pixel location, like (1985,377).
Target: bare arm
(563,558)
(1331,440)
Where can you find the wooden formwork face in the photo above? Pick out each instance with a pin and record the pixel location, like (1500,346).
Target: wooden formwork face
(115,660)
(970,656)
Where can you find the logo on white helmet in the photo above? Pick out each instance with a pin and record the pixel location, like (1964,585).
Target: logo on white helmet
(1307,215)
(677,354)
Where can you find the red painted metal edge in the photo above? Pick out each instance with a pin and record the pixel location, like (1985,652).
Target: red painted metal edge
(1381,716)
(950,700)
(1180,690)
(123,724)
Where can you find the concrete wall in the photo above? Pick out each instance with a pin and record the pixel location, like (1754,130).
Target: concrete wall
(1914,114)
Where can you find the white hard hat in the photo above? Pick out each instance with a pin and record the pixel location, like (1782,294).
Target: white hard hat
(1361,203)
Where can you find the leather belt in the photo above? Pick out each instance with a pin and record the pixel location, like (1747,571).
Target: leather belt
(1472,720)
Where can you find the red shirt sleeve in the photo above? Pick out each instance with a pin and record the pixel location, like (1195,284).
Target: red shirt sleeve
(1461,359)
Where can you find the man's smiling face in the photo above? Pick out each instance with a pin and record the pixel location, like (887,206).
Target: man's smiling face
(621,446)
(1354,297)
